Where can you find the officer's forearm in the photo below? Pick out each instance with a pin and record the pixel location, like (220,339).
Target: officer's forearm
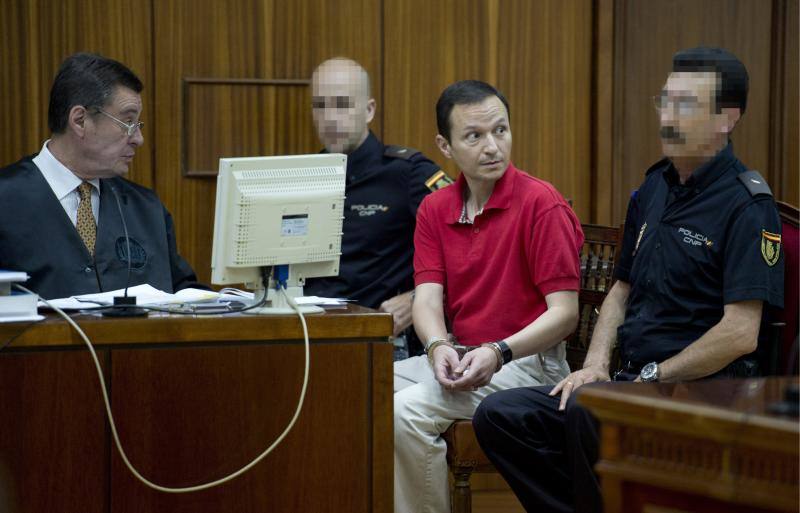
(735,335)
(612,314)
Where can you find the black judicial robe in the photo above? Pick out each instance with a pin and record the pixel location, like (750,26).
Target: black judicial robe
(37,236)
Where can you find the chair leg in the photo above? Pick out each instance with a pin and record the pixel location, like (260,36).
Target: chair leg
(462,493)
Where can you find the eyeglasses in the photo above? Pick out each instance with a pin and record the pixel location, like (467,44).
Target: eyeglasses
(683,106)
(130,128)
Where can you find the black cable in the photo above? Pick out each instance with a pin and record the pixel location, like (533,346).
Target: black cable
(127,240)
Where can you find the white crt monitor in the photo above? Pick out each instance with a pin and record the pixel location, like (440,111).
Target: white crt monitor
(285,210)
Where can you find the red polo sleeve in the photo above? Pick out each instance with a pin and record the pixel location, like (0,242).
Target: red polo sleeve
(428,253)
(554,250)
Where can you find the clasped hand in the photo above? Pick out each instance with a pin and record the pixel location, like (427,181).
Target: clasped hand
(469,373)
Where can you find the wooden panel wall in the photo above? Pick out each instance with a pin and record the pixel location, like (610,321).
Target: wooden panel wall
(230,78)
(38,35)
(537,53)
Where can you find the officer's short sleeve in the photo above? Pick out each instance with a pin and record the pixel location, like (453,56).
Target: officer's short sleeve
(428,253)
(624,264)
(753,256)
(425,178)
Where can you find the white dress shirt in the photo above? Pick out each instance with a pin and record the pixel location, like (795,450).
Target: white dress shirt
(65,184)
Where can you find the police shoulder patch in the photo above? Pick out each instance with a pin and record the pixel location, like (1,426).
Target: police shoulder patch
(770,247)
(754,183)
(438,180)
(399,152)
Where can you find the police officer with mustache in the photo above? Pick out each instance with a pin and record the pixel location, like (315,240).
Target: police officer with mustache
(701,259)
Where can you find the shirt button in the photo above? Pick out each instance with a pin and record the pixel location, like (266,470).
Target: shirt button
(658,245)
(476,230)
(88,270)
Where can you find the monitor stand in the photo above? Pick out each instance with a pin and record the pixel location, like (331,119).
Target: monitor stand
(278,303)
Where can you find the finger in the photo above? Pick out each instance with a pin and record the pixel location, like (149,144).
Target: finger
(464,363)
(474,377)
(569,386)
(441,374)
(448,363)
(452,361)
(556,389)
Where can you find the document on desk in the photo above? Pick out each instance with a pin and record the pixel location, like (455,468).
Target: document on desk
(146,295)
(230,293)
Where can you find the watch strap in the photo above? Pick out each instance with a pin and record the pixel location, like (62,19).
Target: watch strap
(505,351)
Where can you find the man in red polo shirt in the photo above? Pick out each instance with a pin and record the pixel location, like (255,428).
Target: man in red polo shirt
(497,261)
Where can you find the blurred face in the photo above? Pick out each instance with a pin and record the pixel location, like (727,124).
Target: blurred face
(341,106)
(106,148)
(690,125)
(480,140)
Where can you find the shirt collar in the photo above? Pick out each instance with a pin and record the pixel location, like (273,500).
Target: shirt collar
(707,173)
(364,153)
(58,176)
(500,198)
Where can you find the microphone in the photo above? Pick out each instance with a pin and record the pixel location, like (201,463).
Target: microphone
(124,306)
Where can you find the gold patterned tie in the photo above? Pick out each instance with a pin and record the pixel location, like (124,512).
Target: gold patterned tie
(87,228)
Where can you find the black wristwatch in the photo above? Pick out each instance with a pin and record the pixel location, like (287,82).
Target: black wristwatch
(505,351)
(650,373)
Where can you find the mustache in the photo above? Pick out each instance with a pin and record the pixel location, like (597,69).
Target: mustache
(671,134)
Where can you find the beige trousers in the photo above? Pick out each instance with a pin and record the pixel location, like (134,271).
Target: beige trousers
(423,410)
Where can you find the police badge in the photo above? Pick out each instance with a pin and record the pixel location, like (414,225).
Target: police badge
(770,247)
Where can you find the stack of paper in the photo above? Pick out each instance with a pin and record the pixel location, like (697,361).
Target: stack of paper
(146,295)
(16,306)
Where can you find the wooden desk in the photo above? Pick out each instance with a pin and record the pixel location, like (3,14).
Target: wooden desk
(702,446)
(193,400)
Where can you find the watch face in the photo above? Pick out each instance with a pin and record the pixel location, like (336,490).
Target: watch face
(649,372)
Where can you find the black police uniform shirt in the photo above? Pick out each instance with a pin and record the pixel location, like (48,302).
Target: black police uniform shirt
(689,249)
(37,236)
(384,187)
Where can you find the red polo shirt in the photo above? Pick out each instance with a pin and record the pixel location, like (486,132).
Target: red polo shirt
(496,272)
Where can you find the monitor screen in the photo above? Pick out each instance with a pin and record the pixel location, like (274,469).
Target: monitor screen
(272,211)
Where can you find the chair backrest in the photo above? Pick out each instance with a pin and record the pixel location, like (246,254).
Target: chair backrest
(790,235)
(599,253)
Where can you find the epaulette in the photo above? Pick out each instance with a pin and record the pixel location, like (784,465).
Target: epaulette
(438,180)
(658,165)
(754,183)
(399,152)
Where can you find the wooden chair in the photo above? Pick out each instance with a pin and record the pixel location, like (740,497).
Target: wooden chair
(599,252)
